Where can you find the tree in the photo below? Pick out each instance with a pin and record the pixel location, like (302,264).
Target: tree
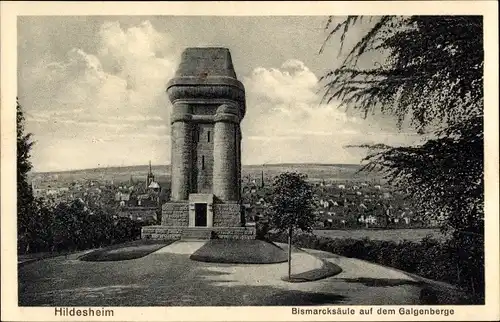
(430,72)
(26,206)
(24,145)
(291,206)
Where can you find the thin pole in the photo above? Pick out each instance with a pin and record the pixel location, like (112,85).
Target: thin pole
(289,253)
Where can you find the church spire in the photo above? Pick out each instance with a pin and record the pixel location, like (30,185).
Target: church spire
(150,177)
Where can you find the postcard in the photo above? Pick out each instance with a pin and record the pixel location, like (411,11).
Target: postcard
(253,161)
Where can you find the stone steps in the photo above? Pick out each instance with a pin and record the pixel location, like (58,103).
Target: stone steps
(194,233)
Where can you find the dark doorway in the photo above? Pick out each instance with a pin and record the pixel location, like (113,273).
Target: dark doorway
(200,218)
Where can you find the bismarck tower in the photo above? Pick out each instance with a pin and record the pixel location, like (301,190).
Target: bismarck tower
(208,105)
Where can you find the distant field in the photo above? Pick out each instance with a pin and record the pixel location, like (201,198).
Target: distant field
(315,172)
(389,234)
(117,174)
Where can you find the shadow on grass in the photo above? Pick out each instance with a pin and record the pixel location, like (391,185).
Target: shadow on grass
(380,282)
(325,255)
(126,251)
(327,270)
(254,296)
(26,259)
(430,295)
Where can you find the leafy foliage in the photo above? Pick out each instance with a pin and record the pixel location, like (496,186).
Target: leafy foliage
(432,68)
(430,73)
(26,204)
(445,175)
(74,226)
(291,202)
(79,224)
(24,145)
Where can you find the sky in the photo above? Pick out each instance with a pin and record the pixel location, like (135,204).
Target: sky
(93,89)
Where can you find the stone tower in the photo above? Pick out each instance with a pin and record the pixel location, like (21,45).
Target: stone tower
(208,105)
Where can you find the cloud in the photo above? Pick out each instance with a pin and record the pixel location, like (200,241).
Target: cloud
(285,101)
(108,105)
(124,78)
(290,84)
(273,138)
(117,90)
(286,119)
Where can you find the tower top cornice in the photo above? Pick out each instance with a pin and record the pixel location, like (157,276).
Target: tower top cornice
(206,73)
(205,62)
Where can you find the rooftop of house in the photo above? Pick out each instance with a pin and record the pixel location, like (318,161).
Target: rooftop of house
(154,185)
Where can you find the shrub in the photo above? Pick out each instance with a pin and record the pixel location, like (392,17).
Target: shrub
(262,230)
(75,225)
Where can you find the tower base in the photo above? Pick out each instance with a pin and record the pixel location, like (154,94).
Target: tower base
(200,218)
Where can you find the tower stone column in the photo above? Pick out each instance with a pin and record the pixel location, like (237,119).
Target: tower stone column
(225,171)
(182,150)
(238,161)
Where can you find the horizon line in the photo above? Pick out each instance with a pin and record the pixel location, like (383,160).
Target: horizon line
(168,164)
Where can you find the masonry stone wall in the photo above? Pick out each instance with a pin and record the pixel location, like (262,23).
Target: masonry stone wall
(175,214)
(227,215)
(204,109)
(162,232)
(204,158)
(234,232)
(224,215)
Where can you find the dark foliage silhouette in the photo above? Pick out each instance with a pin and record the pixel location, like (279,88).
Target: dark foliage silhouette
(79,224)
(430,73)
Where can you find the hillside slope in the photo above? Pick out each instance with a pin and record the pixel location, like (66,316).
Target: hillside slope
(315,172)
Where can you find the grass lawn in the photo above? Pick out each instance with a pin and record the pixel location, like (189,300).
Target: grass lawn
(23,259)
(240,252)
(396,235)
(129,250)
